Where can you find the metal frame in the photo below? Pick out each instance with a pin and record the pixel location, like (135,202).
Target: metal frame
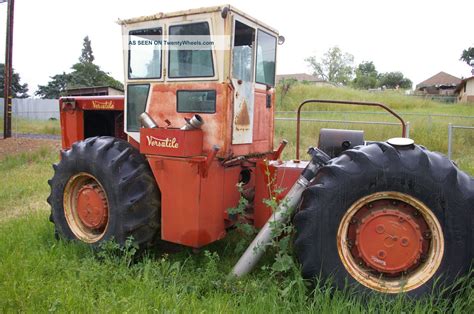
(341,102)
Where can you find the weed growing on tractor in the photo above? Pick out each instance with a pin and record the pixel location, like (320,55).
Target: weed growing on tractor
(242,225)
(281,231)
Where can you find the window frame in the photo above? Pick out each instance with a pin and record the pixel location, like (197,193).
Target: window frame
(256,57)
(213,54)
(196,90)
(254,48)
(160,78)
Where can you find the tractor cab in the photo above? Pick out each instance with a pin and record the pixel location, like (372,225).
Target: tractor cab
(217,63)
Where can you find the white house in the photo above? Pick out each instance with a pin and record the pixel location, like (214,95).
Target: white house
(465,90)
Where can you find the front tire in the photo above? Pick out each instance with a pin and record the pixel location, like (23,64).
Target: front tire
(103,189)
(387,220)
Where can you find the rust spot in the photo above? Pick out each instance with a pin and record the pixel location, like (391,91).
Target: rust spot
(242,119)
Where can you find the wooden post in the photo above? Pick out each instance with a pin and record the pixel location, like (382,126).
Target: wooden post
(7,91)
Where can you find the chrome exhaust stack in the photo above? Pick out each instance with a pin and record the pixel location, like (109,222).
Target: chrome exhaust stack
(146,121)
(256,249)
(193,124)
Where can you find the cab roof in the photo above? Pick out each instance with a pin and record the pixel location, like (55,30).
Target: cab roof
(161,15)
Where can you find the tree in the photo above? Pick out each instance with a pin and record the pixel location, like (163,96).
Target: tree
(55,88)
(366,76)
(90,74)
(84,74)
(394,80)
(285,86)
(18,90)
(86,56)
(335,66)
(468,55)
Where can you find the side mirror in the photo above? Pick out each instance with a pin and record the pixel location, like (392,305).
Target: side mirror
(281,40)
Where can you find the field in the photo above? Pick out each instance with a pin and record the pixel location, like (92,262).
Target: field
(428,120)
(40,274)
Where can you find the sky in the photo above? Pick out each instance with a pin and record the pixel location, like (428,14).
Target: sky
(418,38)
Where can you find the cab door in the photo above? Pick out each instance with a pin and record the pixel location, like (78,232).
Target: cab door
(243,54)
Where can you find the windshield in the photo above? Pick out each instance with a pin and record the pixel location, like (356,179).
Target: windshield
(145,53)
(184,59)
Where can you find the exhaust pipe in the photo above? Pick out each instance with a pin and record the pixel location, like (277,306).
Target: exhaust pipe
(146,121)
(194,123)
(256,249)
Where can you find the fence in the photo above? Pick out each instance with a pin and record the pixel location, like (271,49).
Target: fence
(430,117)
(403,114)
(451,129)
(33,109)
(407,124)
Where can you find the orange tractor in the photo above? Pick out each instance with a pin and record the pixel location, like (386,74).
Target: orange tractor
(163,162)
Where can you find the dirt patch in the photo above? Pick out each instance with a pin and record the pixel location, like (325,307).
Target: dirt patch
(14,146)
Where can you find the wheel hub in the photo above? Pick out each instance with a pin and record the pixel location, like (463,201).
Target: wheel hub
(92,206)
(86,207)
(389,241)
(388,237)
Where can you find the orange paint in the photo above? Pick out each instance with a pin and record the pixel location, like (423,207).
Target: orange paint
(388,236)
(281,176)
(170,142)
(217,128)
(72,114)
(192,206)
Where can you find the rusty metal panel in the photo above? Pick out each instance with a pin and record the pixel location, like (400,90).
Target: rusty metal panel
(192,212)
(242,121)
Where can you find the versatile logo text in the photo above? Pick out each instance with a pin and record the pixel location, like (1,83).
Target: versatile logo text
(102,104)
(159,142)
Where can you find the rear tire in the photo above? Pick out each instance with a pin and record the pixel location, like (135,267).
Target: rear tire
(103,189)
(379,183)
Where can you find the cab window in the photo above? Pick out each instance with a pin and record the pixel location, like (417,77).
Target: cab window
(190,52)
(266,54)
(144,57)
(137,97)
(242,55)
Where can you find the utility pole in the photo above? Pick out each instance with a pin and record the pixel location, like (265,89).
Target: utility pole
(7,78)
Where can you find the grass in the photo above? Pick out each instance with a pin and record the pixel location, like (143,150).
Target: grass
(21,125)
(24,178)
(40,274)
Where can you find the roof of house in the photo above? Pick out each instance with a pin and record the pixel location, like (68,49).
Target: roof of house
(463,82)
(440,79)
(94,87)
(299,77)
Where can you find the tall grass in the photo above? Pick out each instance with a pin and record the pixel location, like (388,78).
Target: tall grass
(39,274)
(26,126)
(24,176)
(395,99)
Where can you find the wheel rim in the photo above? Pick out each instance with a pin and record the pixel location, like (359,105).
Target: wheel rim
(86,207)
(390,242)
